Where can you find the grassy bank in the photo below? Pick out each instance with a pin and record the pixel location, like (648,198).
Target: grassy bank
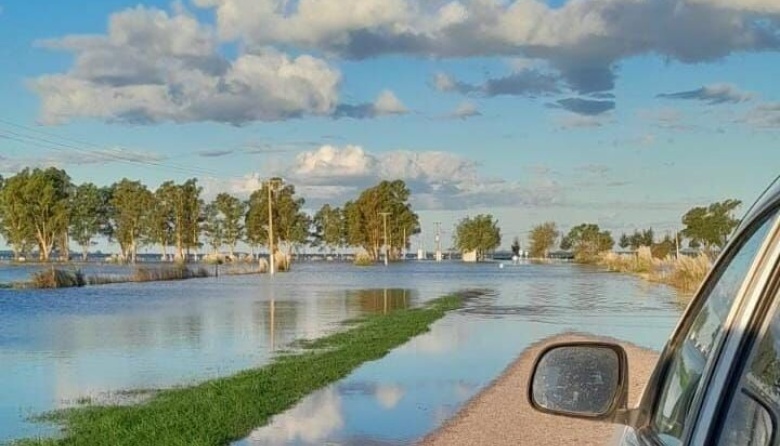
(683,273)
(61,278)
(219,411)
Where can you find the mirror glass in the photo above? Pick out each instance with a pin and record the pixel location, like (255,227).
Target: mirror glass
(580,380)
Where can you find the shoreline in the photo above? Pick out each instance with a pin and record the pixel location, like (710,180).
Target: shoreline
(500,414)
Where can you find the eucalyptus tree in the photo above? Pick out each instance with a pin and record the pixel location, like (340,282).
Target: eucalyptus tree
(16,227)
(328,228)
(543,238)
(88,215)
(480,234)
(365,224)
(35,208)
(710,226)
(231,212)
(213,227)
(185,213)
(290,223)
(160,220)
(587,240)
(131,206)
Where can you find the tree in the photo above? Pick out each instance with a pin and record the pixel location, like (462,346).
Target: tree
(587,240)
(516,247)
(364,224)
(131,205)
(328,228)
(186,212)
(16,227)
(480,234)
(160,220)
(231,211)
(290,223)
(88,215)
(35,208)
(624,241)
(710,226)
(213,228)
(542,238)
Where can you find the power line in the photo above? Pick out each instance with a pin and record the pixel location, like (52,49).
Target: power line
(67,146)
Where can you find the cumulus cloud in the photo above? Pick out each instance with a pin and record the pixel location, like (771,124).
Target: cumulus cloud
(153,67)
(465,110)
(386,104)
(764,116)
(438,180)
(582,40)
(712,94)
(529,82)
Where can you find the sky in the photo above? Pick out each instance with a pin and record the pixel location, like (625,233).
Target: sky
(624,113)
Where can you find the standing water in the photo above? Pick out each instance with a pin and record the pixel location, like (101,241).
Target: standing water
(102,344)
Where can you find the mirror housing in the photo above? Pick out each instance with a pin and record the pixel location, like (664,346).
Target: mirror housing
(581,380)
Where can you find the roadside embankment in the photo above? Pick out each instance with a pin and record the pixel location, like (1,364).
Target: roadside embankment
(684,273)
(501,415)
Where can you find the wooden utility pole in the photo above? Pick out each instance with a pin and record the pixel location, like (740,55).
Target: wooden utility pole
(272,263)
(438,241)
(384,219)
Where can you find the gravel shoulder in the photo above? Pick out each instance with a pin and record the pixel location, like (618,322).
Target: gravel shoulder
(501,415)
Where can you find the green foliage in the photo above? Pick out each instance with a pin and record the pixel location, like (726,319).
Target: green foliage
(131,207)
(710,226)
(88,215)
(588,240)
(480,234)
(624,242)
(329,228)
(223,410)
(290,223)
(516,247)
(543,238)
(365,225)
(35,208)
(230,211)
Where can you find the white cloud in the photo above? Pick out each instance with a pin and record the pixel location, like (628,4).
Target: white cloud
(154,67)
(583,40)
(712,94)
(576,121)
(388,104)
(438,180)
(389,396)
(465,110)
(312,421)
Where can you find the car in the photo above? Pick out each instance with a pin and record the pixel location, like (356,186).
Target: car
(717,380)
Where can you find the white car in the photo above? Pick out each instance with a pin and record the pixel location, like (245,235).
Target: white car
(717,381)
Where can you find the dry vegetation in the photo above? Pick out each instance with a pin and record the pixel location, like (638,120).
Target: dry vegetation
(684,273)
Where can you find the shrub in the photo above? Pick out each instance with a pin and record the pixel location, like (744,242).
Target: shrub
(363,259)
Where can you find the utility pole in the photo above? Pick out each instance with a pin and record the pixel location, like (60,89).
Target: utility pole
(272,264)
(438,241)
(384,218)
(403,249)
(677,244)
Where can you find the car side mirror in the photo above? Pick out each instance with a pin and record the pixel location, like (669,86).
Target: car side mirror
(581,380)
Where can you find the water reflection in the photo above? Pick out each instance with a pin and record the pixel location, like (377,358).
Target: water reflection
(57,347)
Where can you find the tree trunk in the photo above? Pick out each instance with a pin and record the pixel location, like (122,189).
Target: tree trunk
(84,252)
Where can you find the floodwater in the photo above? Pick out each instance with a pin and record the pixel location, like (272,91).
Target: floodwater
(62,347)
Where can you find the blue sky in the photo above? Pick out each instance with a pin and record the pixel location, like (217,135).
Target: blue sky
(621,113)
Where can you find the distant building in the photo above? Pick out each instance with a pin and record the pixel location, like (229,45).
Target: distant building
(470,256)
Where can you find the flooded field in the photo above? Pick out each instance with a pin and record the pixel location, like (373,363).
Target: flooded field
(65,347)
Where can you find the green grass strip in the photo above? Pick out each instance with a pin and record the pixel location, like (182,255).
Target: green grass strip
(223,410)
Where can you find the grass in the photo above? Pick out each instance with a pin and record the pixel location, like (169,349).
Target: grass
(157,274)
(54,278)
(684,273)
(219,411)
(364,259)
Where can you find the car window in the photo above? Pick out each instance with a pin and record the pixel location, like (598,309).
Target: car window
(691,356)
(752,414)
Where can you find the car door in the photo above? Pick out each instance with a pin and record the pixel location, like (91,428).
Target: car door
(670,407)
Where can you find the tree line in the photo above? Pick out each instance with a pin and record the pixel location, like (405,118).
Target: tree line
(42,211)
(705,227)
